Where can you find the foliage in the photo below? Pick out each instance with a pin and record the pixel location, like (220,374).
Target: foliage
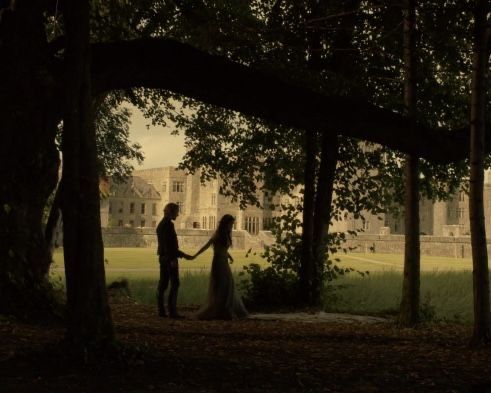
(113,144)
(277,285)
(443,88)
(427,311)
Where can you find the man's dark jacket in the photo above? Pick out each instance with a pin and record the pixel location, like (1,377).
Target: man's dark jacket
(167,239)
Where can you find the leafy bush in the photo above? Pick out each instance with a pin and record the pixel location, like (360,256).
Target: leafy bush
(277,286)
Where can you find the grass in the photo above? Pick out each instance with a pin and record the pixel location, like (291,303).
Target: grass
(445,295)
(446,283)
(143,262)
(395,262)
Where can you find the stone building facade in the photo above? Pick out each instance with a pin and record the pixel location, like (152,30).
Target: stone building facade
(448,218)
(139,203)
(132,204)
(201,205)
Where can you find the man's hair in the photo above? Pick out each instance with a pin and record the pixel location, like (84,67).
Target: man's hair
(171,208)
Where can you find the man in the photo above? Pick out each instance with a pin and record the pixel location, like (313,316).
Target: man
(168,251)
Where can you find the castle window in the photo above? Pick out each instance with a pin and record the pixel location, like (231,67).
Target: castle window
(252,225)
(178,186)
(164,187)
(142,223)
(120,223)
(213,199)
(154,224)
(181,206)
(204,222)
(110,207)
(143,208)
(132,207)
(154,209)
(132,223)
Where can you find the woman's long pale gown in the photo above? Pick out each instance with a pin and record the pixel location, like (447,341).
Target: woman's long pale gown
(223,302)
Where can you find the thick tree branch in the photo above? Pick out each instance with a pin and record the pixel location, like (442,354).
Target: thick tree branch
(170,65)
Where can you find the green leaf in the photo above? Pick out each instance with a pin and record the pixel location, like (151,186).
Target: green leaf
(6,208)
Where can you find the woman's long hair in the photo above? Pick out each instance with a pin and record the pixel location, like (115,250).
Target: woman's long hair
(223,235)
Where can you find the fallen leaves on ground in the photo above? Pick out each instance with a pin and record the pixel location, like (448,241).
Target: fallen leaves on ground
(249,356)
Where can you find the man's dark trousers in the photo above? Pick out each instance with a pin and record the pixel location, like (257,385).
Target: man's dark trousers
(168,273)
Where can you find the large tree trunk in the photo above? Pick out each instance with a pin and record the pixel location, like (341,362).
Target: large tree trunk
(89,322)
(28,162)
(409,312)
(476,205)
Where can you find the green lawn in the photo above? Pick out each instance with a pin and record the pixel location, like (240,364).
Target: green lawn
(446,283)
(395,262)
(143,261)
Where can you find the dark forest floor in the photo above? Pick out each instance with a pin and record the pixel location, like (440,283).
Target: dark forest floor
(249,356)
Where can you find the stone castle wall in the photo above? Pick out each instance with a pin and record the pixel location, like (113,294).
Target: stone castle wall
(454,247)
(188,238)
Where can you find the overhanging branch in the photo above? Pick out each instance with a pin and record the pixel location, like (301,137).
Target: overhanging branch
(170,65)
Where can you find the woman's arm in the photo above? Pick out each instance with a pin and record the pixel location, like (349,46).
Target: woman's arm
(204,248)
(230,257)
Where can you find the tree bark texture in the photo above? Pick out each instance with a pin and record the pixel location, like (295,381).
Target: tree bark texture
(342,63)
(307,268)
(322,214)
(409,311)
(28,162)
(89,320)
(477,154)
(306,265)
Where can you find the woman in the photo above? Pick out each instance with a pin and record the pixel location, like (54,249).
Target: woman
(223,300)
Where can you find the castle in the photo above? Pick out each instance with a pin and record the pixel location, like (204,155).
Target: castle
(139,203)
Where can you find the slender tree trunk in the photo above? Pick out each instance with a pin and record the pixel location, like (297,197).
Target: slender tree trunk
(342,62)
(28,161)
(409,312)
(89,322)
(322,214)
(476,206)
(306,267)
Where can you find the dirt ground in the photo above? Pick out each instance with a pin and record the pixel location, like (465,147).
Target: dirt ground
(248,356)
